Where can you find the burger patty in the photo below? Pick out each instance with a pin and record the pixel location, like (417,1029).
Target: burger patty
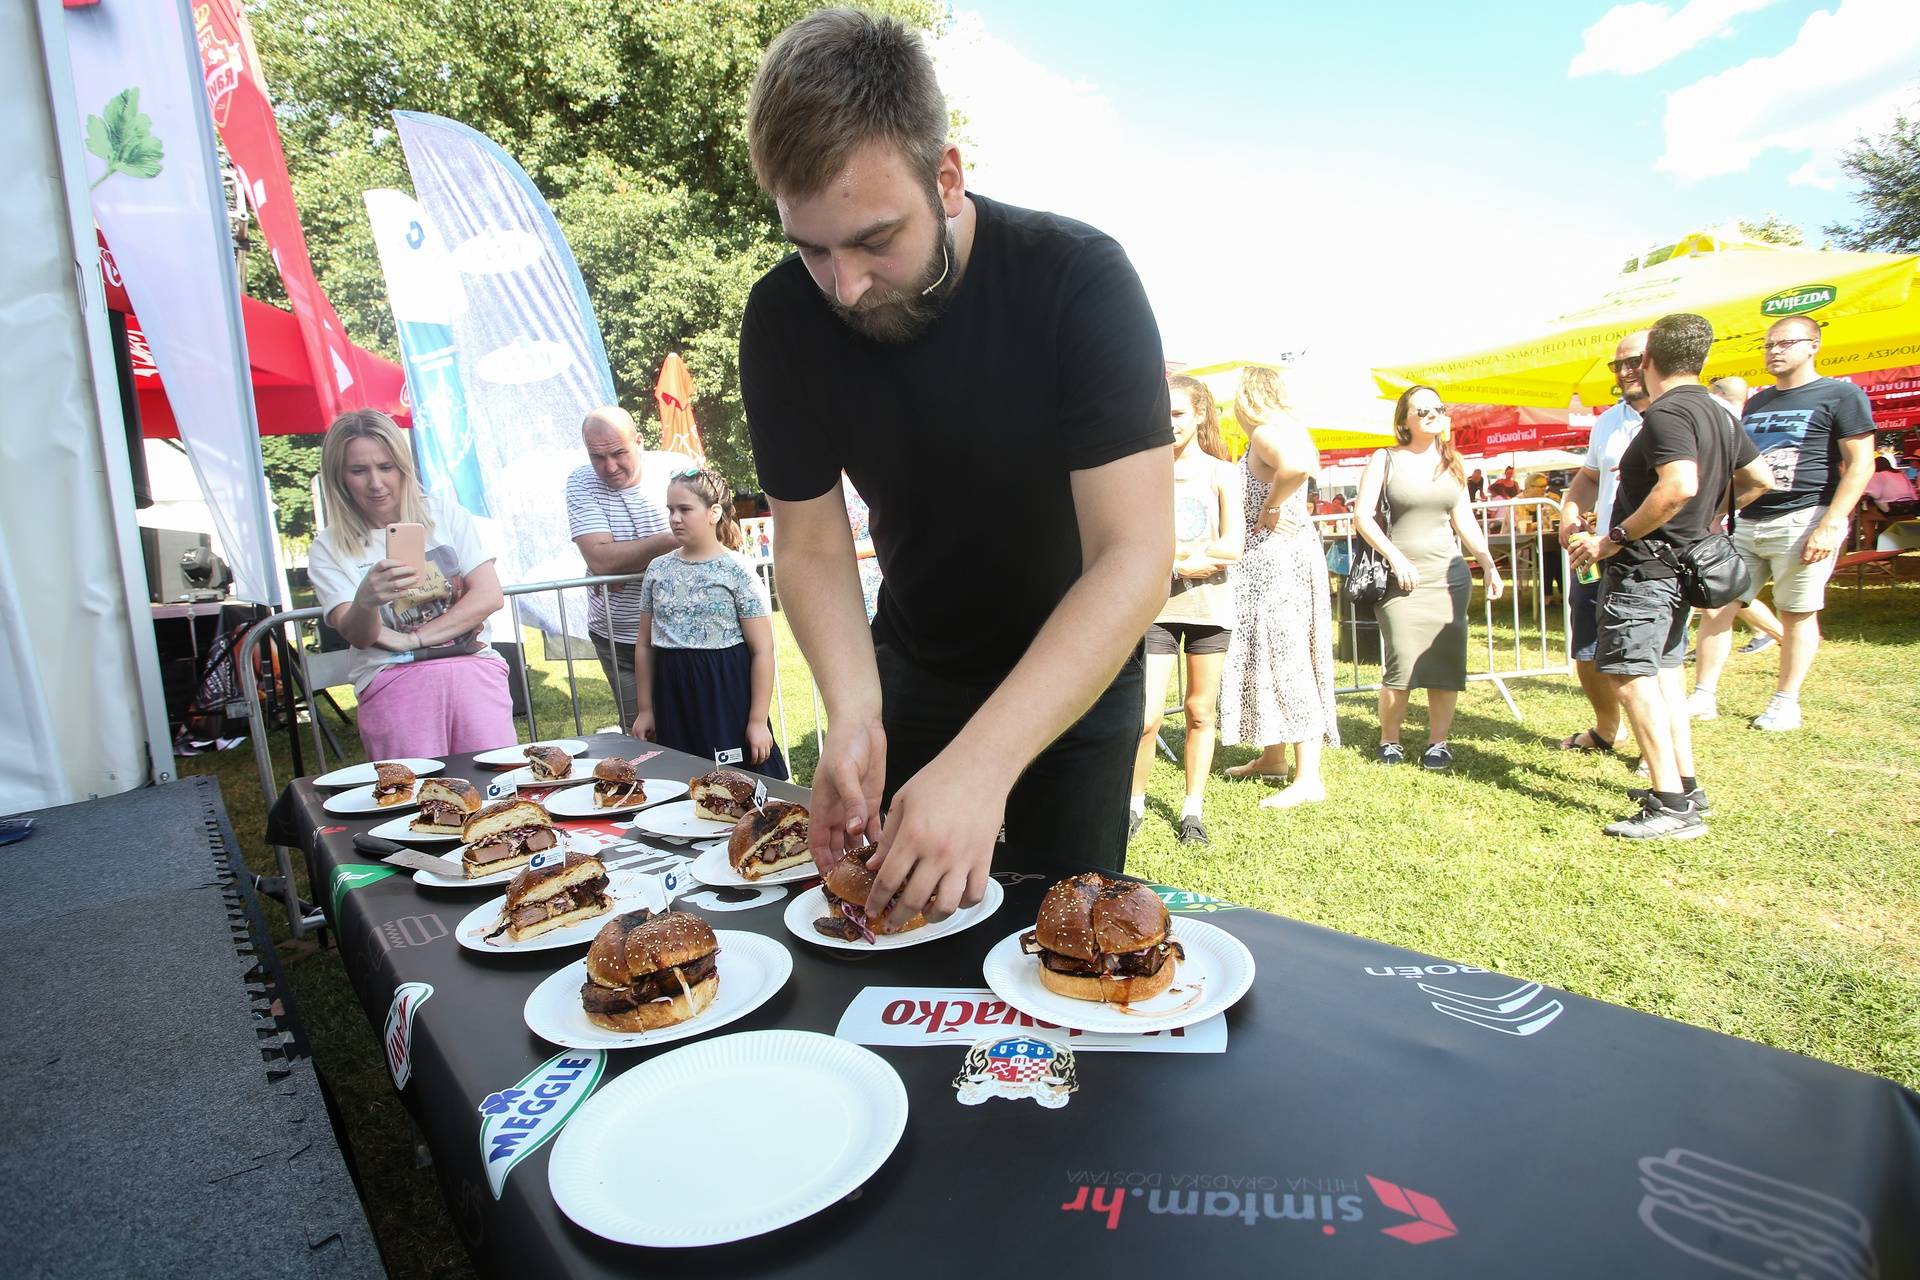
(1126,964)
(439,813)
(586,893)
(654,986)
(509,843)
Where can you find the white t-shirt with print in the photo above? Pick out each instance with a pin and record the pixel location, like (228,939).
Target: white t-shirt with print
(1611,435)
(453,547)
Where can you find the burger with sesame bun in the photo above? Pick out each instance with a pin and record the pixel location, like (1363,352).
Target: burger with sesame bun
(845,887)
(561,891)
(647,971)
(1103,939)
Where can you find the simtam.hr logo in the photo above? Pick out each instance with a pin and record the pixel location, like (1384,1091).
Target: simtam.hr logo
(1329,1203)
(1799,300)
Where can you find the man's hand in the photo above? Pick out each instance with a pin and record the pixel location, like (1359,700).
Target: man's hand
(643,726)
(759,742)
(1567,530)
(847,785)
(936,847)
(1825,540)
(1587,549)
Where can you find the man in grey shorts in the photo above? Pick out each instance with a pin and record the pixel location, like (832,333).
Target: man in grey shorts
(1674,480)
(1816,436)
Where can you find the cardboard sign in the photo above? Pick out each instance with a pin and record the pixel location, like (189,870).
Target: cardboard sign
(963,1015)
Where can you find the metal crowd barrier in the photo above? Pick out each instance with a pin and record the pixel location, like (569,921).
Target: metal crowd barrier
(310,674)
(1531,651)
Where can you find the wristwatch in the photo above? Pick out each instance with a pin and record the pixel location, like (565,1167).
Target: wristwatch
(1618,535)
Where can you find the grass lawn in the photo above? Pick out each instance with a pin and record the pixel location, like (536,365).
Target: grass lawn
(1795,923)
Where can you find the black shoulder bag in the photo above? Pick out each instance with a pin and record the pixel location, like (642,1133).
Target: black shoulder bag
(1367,580)
(1711,572)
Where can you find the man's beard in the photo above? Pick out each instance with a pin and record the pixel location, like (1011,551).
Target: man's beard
(894,315)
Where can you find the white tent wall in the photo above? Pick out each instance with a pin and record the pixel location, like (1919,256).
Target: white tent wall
(82,713)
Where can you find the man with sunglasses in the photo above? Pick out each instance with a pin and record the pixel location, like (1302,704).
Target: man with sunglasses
(1592,490)
(1816,434)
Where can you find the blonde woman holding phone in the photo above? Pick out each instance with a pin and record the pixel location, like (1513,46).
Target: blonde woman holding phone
(425,684)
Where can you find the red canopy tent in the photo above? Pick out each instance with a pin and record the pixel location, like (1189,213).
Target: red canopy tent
(283,392)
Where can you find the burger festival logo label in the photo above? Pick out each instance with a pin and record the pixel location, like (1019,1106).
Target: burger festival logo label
(516,1122)
(1330,1204)
(1799,300)
(407,999)
(1018,1067)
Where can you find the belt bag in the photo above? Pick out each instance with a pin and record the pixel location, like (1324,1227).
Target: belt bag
(1711,572)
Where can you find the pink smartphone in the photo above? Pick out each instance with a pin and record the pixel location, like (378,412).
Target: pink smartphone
(407,543)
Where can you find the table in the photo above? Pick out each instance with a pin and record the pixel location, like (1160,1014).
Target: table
(161,1118)
(1377,1112)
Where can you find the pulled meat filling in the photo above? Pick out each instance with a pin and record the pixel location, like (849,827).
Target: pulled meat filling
(510,843)
(837,927)
(654,986)
(1126,964)
(785,847)
(608,794)
(439,813)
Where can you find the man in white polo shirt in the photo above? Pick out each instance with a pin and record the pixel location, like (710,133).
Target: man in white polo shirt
(618,531)
(1592,490)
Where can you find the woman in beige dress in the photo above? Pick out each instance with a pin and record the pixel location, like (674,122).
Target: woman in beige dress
(1423,620)
(1199,611)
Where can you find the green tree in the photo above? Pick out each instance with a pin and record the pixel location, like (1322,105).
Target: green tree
(1773,229)
(291,463)
(629,115)
(1888,171)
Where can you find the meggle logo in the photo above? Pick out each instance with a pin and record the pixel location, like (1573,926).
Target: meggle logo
(516,1122)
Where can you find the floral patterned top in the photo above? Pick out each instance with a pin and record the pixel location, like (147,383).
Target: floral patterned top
(698,604)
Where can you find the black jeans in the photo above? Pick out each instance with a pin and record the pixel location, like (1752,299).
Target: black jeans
(1070,806)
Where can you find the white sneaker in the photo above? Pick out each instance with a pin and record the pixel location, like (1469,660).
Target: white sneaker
(1780,716)
(1702,705)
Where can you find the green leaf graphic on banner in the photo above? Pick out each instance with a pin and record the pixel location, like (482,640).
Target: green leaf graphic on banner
(123,137)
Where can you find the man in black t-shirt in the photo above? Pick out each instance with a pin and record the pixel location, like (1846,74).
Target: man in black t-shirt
(991,380)
(1674,483)
(1816,436)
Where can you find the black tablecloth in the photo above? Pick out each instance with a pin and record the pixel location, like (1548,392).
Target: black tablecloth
(1377,1112)
(160,1115)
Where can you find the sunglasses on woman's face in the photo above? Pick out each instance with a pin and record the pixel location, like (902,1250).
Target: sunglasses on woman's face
(1431,411)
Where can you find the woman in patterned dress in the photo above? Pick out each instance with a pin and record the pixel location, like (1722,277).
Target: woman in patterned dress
(1279,681)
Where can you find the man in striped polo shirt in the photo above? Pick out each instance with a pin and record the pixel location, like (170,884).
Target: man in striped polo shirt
(618,531)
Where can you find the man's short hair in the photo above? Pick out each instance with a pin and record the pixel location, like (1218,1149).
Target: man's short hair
(833,82)
(1810,328)
(1679,343)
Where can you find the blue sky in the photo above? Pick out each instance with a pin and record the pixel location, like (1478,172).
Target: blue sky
(1380,180)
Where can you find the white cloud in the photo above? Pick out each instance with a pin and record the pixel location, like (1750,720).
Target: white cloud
(1632,38)
(1246,254)
(1845,74)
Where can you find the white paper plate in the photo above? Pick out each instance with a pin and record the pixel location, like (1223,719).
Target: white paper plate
(401,829)
(358,803)
(713,867)
(677,820)
(362,775)
(1216,973)
(523,779)
(629,890)
(782,1163)
(518,754)
(577,802)
(752,967)
(811,905)
(434,880)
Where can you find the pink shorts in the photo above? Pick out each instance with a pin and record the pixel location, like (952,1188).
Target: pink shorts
(449,706)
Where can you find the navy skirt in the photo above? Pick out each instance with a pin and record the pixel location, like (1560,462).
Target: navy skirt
(700,701)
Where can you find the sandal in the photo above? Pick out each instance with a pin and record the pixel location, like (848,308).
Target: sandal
(1592,745)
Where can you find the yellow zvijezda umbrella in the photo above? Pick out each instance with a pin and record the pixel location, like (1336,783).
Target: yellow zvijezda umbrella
(1865,303)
